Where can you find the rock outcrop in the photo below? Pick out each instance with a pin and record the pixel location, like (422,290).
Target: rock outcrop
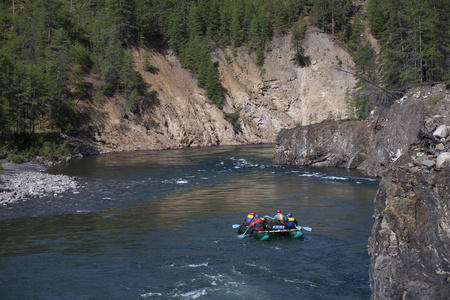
(410,240)
(408,145)
(369,146)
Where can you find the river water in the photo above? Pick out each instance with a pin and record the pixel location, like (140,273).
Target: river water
(157,225)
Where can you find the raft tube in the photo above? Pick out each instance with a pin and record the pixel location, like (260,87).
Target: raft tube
(266,234)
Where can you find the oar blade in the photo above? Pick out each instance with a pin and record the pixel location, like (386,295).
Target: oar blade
(235,226)
(243,235)
(303,227)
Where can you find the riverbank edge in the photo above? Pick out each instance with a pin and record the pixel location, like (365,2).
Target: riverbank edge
(22,182)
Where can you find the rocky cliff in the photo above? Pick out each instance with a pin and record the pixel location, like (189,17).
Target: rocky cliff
(372,145)
(177,113)
(408,145)
(410,241)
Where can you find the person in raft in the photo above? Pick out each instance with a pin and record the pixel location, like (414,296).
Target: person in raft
(249,219)
(280,217)
(257,224)
(291,221)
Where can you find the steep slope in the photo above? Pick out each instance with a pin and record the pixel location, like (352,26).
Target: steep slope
(177,113)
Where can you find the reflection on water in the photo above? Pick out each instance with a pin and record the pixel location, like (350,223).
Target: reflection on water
(157,225)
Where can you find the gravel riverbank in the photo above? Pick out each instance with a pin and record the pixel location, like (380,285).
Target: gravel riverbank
(27,181)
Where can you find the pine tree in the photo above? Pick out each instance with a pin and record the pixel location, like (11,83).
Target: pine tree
(203,63)
(190,54)
(436,32)
(213,89)
(236,29)
(376,17)
(57,64)
(339,16)
(176,29)
(194,25)
(356,35)
(392,54)
(365,65)
(131,83)
(121,15)
(281,17)
(36,95)
(146,19)
(318,13)
(6,94)
(260,56)
(298,34)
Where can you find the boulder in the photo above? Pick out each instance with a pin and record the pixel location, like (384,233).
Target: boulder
(441,132)
(440,147)
(443,160)
(428,163)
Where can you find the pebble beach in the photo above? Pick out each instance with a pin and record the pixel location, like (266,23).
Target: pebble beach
(19,182)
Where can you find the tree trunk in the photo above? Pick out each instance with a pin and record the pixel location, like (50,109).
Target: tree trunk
(332,25)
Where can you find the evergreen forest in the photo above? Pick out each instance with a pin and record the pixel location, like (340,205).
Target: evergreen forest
(48,47)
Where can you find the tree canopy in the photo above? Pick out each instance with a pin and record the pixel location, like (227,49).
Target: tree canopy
(47,47)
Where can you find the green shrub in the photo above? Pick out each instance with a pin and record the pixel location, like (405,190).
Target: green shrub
(22,147)
(232,117)
(17,159)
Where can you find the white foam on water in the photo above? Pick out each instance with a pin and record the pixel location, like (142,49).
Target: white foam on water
(176,181)
(198,265)
(334,178)
(264,268)
(193,294)
(309,175)
(147,295)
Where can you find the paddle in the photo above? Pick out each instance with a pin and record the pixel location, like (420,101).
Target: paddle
(243,235)
(236,225)
(303,227)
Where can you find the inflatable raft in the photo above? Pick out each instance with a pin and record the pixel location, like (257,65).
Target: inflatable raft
(271,233)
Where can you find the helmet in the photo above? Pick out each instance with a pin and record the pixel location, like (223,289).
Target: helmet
(253,213)
(278,211)
(256,216)
(289,215)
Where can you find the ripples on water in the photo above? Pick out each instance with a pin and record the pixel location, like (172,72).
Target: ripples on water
(157,225)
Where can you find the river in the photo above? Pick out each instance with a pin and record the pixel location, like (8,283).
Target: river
(158,225)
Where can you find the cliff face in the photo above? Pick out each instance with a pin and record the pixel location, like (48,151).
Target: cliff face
(370,146)
(177,113)
(410,240)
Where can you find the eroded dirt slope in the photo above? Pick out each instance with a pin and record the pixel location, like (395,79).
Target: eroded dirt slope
(176,113)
